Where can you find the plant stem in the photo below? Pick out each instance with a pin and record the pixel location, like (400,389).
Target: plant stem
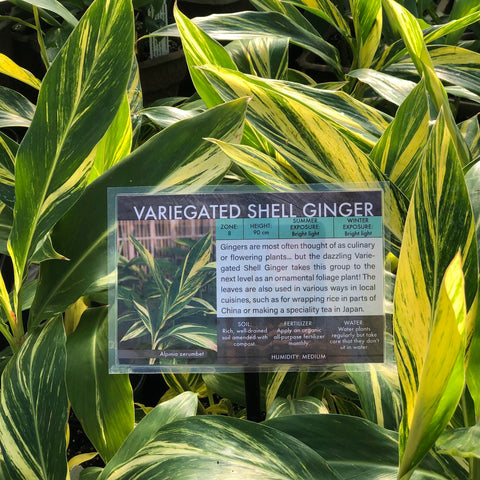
(475,468)
(41,43)
(16,333)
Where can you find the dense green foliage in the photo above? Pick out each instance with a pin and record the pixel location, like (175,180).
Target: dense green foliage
(394,80)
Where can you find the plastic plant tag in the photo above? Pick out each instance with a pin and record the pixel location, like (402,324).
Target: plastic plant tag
(245,279)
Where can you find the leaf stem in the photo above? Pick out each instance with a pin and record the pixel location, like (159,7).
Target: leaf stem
(474,468)
(41,43)
(16,327)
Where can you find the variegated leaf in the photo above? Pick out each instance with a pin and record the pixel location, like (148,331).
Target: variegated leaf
(328,11)
(266,57)
(181,406)
(288,10)
(472,179)
(115,144)
(149,261)
(10,68)
(368,451)
(408,27)
(185,382)
(399,152)
(188,278)
(6,220)
(232,386)
(461,442)
(200,163)
(392,88)
(367,20)
(34,406)
(102,402)
(379,393)
(79,98)
(220,448)
(440,31)
(282,407)
(470,131)
(8,150)
(308,142)
(199,49)
(259,167)
(164,116)
(15,109)
(430,303)
(454,65)
(245,25)
(362,124)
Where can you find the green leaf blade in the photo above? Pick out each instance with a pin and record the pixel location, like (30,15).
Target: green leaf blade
(199,163)
(33,407)
(103,402)
(73,112)
(429,336)
(221,448)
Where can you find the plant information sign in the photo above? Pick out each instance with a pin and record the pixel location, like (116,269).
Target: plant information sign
(238,281)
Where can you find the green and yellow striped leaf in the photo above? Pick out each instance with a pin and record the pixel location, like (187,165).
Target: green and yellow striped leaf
(472,179)
(368,451)
(390,87)
(103,403)
(260,168)
(367,21)
(6,220)
(473,366)
(470,131)
(326,10)
(10,68)
(288,10)
(164,116)
(34,406)
(408,27)
(362,124)
(220,448)
(185,382)
(187,159)
(379,393)
(399,152)
(79,98)
(188,278)
(283,407)
(181,406)
(266,57)
(8,150)
(15,109)
(200,49)
(115,144)
(454,65)
(431,301)
(440,31)
(307,141)
(461,442)
(245,25)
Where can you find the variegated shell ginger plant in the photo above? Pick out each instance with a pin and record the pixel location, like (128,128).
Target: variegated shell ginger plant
(384,117)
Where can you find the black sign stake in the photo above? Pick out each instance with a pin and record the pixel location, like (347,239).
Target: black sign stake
(252,395)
